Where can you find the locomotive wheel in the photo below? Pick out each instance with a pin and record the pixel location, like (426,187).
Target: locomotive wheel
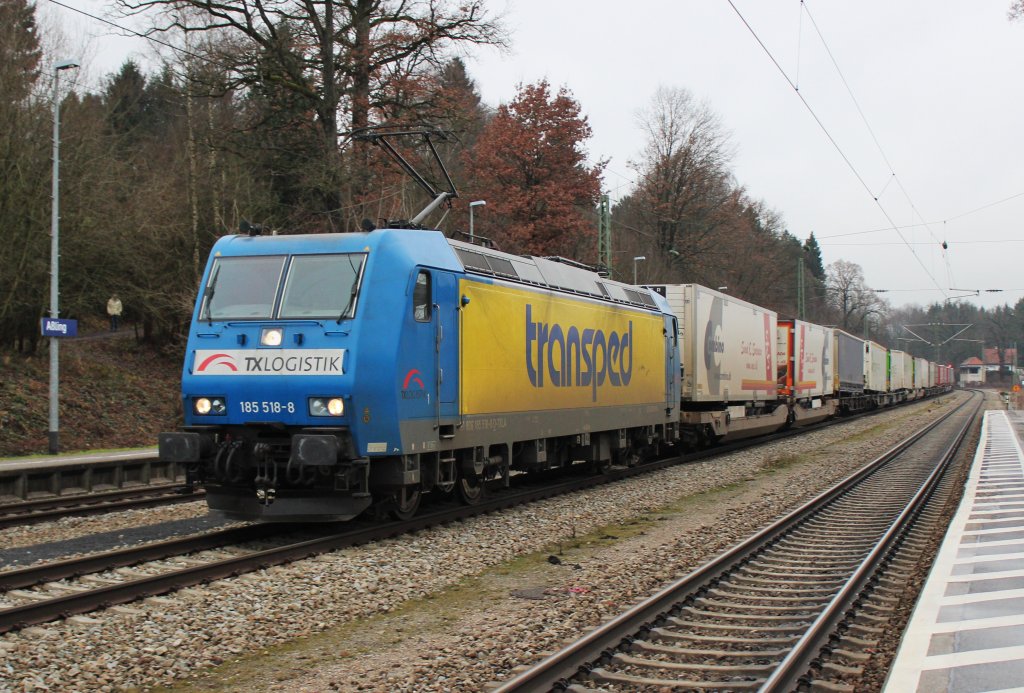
(404,503)
(471,490)
(627,457)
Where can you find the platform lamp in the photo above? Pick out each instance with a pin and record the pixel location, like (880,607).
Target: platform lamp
(54,432)
(476,203)
(638,258)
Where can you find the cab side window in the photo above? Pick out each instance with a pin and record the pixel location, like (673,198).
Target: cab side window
(421,297)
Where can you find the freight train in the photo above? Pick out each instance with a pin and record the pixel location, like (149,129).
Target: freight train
(331,375)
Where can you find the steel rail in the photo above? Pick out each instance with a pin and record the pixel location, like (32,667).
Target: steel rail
(43,611)
(44,509)
(555,671)
(792,670)
(95,563)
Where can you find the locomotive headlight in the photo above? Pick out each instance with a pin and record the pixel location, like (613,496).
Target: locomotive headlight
(326,406)
(271,336)
(209,405)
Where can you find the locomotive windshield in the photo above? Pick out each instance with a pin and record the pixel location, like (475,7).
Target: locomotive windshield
(315,286)
(321,286)
(242,288)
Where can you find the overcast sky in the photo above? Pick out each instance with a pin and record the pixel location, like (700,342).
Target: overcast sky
(940,84)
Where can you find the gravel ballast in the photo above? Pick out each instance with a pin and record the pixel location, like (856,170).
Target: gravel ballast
(450,608)
(82,527)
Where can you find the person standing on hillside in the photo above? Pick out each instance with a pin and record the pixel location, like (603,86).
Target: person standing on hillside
(114,309)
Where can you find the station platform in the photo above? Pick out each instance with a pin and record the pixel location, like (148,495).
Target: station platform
(74,458)
(30,478)
(967,631)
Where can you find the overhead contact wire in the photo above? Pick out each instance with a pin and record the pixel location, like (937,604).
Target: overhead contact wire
(137,34)
(835,144)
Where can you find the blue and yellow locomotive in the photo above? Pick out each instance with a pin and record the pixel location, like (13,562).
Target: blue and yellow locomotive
(329,374)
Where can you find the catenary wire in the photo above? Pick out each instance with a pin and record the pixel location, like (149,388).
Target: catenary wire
(125,29)
(834,143)
(878,145)
(911,226)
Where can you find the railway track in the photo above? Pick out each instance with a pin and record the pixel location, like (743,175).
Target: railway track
(46,509)
(761,616)
(39,594)
(125,575)
(84,504)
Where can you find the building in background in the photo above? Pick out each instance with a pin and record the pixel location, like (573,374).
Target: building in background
(990,369)
(972,372)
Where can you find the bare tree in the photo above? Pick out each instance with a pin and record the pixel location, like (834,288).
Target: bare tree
(684,176)
(855,306)
(325,61)
(334,55)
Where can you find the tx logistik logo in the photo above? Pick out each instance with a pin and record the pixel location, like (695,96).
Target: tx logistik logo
(412,378)
(577,359)
(222,360)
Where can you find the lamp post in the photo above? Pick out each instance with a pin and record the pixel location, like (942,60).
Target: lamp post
(53,434)
(639,258)
(477,203)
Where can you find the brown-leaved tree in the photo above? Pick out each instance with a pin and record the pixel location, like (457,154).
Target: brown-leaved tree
(530,165)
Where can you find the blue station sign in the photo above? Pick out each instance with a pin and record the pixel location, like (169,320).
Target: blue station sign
(57,327)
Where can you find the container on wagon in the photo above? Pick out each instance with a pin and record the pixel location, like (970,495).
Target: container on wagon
(920,373)
(875,369)
(897,377)
(848,363)
(728,345)
(804,359)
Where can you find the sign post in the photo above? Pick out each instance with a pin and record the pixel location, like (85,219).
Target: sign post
(55,328)
(55,253)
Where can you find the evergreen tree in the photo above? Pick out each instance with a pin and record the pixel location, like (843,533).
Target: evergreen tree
(25,175)
(812,258)
(19,49)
